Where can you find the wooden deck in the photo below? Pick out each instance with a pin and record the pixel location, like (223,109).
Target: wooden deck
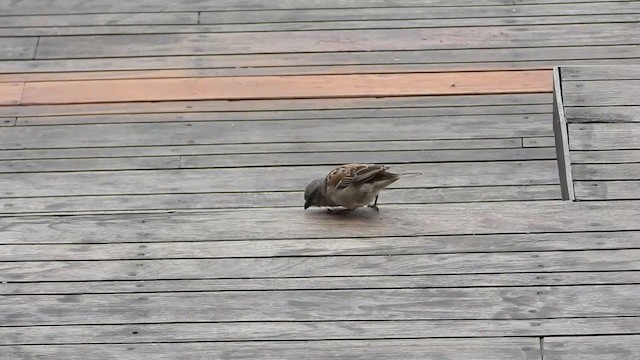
(153,156)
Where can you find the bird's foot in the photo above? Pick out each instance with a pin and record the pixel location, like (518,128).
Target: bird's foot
(374,207)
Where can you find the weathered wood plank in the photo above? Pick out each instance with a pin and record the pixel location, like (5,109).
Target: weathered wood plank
(271,105)
(607,171)
(338,330)
(321,283)
(7,121)
(600,93)
(266,148)
(395,304)
(283,267)
(255,179)
(11,93)
(201,201)
(322,41)
(17,48)
(542,141)
(561,139)
(397,221)
(82,7)
(592,348)
(273,87)
(611,72)
(315,26)
(606,136)
(96,164)
(327,247)
(615,114)
(449,349)
(607,190)
(409,13)
(605,156)
(287,115)
(150,18)
(324,130)
(426,58)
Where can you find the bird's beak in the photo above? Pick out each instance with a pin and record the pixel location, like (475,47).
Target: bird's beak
(306,205)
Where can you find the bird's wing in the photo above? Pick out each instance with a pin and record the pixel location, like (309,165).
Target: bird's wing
(349,174)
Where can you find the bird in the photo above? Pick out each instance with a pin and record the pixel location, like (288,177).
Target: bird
(350,186)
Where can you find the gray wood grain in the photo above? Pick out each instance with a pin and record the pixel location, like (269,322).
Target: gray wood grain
(53,165)
(93,6)
(266,148)
(319,305)
(542,141)
(227,132)
(338,330)
(271,105)
(289,114)
(322,283)
(286,178)
(433,57)
(415,349)
(326,247)
(392,220)
(324,25)
(605,156)
(275,267)
(606,171)
(322,41)
(99,19)
(592,348)
(385,157)
(601,93)
(607,190)
(7,121)
(152,202)
(561,135)
(586,114)
(407,13)
(604,136)
(611,72)
(14,48)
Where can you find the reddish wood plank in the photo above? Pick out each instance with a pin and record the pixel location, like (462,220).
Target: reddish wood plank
(10,93)
(281,87)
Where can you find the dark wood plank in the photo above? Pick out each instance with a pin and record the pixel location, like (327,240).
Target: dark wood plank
(273,87)
(263,148)
(321,41)
(395,304)
(592,348)
(333,247)
(605,156)
(151,18)
(456,349)
(18,48)
(629,171)
(272,105)
(608,190)
(615,114)
(561,135)
(321,283)
(323,130)
(611,72)
(397,221)
(600,93)
(342,330)
(255,179)
(604,136)
(202,201)
(287,114)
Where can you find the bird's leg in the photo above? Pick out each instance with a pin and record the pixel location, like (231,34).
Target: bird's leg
(374,206)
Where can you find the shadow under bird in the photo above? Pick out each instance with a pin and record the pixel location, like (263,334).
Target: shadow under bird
(350,186)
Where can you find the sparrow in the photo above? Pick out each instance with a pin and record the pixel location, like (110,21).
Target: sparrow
(350,186)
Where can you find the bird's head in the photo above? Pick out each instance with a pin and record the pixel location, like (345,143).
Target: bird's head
(314,194)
